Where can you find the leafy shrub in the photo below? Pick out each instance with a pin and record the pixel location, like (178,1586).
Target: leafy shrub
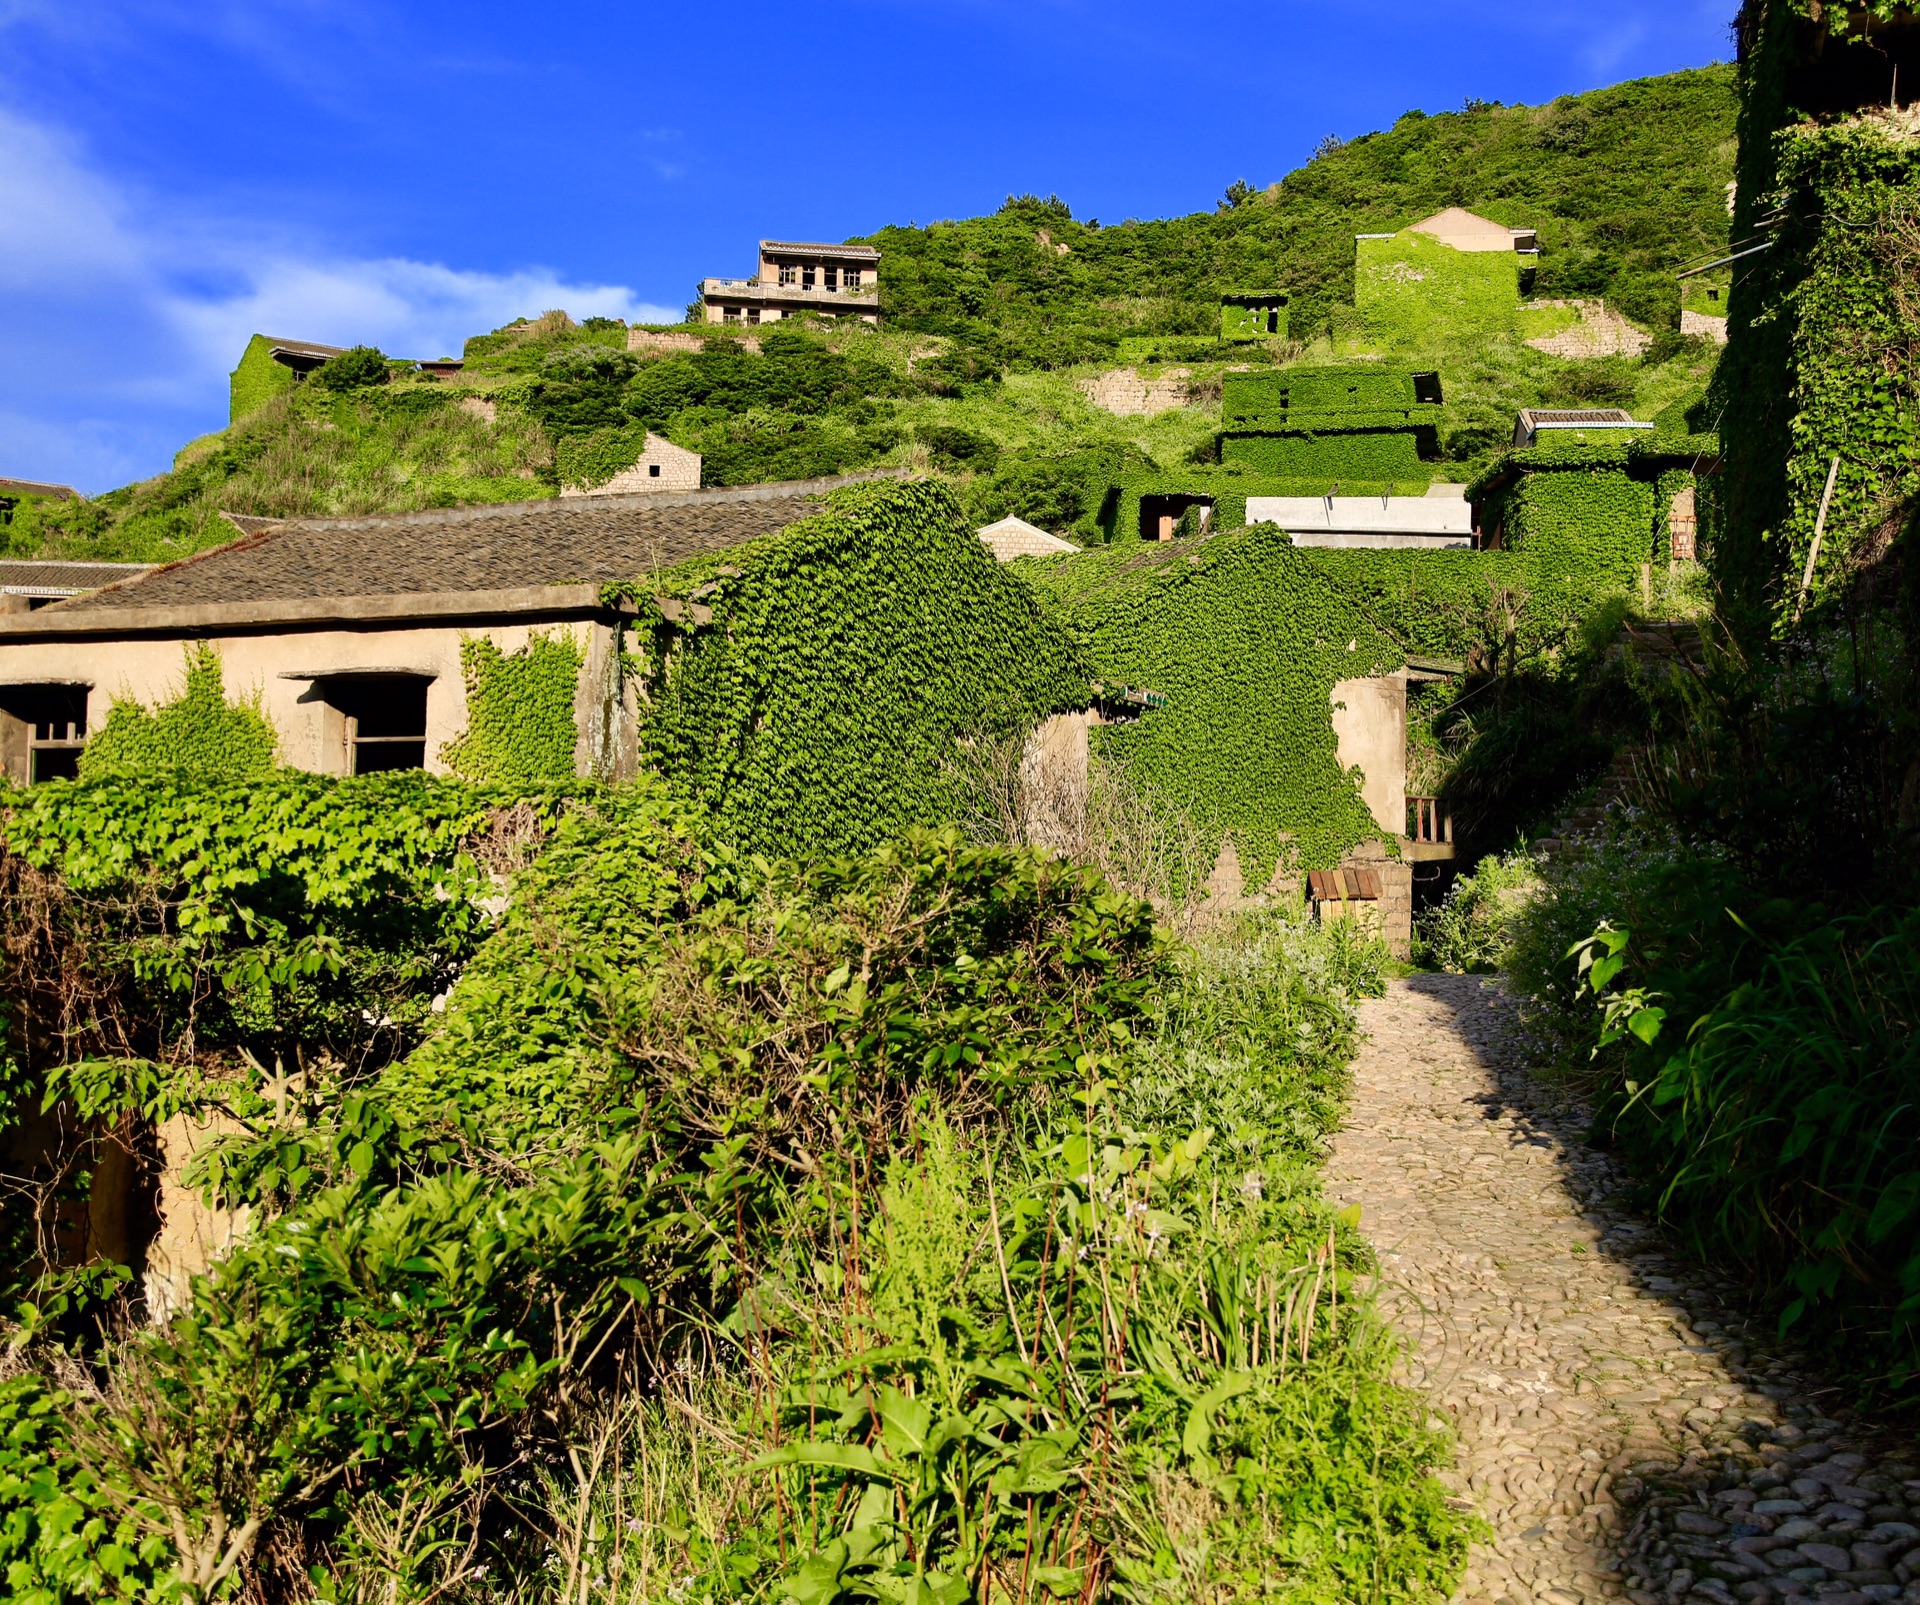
(1466,932)
(353,369)
(199,735)
(953,447)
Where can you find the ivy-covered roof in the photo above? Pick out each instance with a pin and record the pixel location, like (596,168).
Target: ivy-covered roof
(592,540)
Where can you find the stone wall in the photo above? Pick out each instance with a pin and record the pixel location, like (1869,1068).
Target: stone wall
(1128,393)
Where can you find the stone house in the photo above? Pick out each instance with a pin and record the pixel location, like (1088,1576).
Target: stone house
(1015,537)
(832,281)
(661,466)
(349,630)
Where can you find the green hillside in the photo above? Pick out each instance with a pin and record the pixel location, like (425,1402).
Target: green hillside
(993,328)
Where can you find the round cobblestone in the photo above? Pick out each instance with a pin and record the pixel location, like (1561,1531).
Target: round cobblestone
(1625,1432)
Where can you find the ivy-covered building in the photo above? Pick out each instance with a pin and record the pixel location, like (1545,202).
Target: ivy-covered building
(1448,275)
(1280,724)
(270,365)
(1297,433)
(800,657)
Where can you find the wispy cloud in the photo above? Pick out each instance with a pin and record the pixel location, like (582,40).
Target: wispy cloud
(122,319)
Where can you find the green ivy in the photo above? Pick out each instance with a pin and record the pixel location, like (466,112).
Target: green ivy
(198,734)
(520,716)
(813,688)
(585,461)
(1416,293)
(1816,368)
(1246,638)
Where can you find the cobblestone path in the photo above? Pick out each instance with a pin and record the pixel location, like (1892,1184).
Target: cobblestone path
(1622,1431)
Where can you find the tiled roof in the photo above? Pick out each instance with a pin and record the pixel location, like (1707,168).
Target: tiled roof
(303,348)
(47,577)
(35,487)
(854,253)
(470,549)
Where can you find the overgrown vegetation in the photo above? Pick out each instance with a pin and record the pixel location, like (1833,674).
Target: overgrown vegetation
(979,1234)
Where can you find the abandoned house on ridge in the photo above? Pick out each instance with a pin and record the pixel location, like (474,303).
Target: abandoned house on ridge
(832,281)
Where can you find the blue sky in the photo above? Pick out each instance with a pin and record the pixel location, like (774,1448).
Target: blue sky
(177,174)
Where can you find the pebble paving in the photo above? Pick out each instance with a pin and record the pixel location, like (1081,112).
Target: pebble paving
(1626,1434)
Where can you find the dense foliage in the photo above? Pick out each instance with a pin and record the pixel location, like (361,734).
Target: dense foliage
(1246,639)
(1622,183)
(817,687)
(198,734)
(520,711)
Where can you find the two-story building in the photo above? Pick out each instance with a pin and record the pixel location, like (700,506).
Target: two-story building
(831,281)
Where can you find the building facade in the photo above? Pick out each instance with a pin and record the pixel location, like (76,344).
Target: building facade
(830,281)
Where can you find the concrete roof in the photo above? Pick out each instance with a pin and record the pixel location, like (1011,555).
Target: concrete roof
(35,487)
(528,557)
(1367,520)
(853,253)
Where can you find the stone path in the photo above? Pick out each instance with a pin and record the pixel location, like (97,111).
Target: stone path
(1622,1430)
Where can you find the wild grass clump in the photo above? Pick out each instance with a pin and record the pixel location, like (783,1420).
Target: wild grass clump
(1468,931)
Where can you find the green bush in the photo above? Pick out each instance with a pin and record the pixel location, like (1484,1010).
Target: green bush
(1467,932)
(354,369)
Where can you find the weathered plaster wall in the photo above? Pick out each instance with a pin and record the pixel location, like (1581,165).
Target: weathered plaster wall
(149,670)
(1370,727)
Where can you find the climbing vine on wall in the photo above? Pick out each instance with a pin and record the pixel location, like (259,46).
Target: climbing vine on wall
(813,687)
(198,735)
(520,720)
(1246,640)
(1820,365)
(585,461)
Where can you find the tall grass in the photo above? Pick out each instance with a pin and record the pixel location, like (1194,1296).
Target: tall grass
(1116,1357)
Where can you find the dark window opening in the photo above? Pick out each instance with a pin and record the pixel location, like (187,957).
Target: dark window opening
(1273,320)
(386,720)
(806,278)
(830,278)
(653,470)
(1426,387)
(1174,517)
(48,730)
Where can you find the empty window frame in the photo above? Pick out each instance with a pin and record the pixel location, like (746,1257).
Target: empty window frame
(807,277)
(787,272)
(384,720)
(830,277)
(43,729)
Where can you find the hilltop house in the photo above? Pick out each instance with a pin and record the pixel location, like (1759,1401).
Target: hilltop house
(661,466)
(15,491)
(832,281)
(270,365)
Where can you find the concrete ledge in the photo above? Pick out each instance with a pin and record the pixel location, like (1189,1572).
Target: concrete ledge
(552,601)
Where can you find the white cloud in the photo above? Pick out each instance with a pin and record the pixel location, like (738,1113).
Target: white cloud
(122,321)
